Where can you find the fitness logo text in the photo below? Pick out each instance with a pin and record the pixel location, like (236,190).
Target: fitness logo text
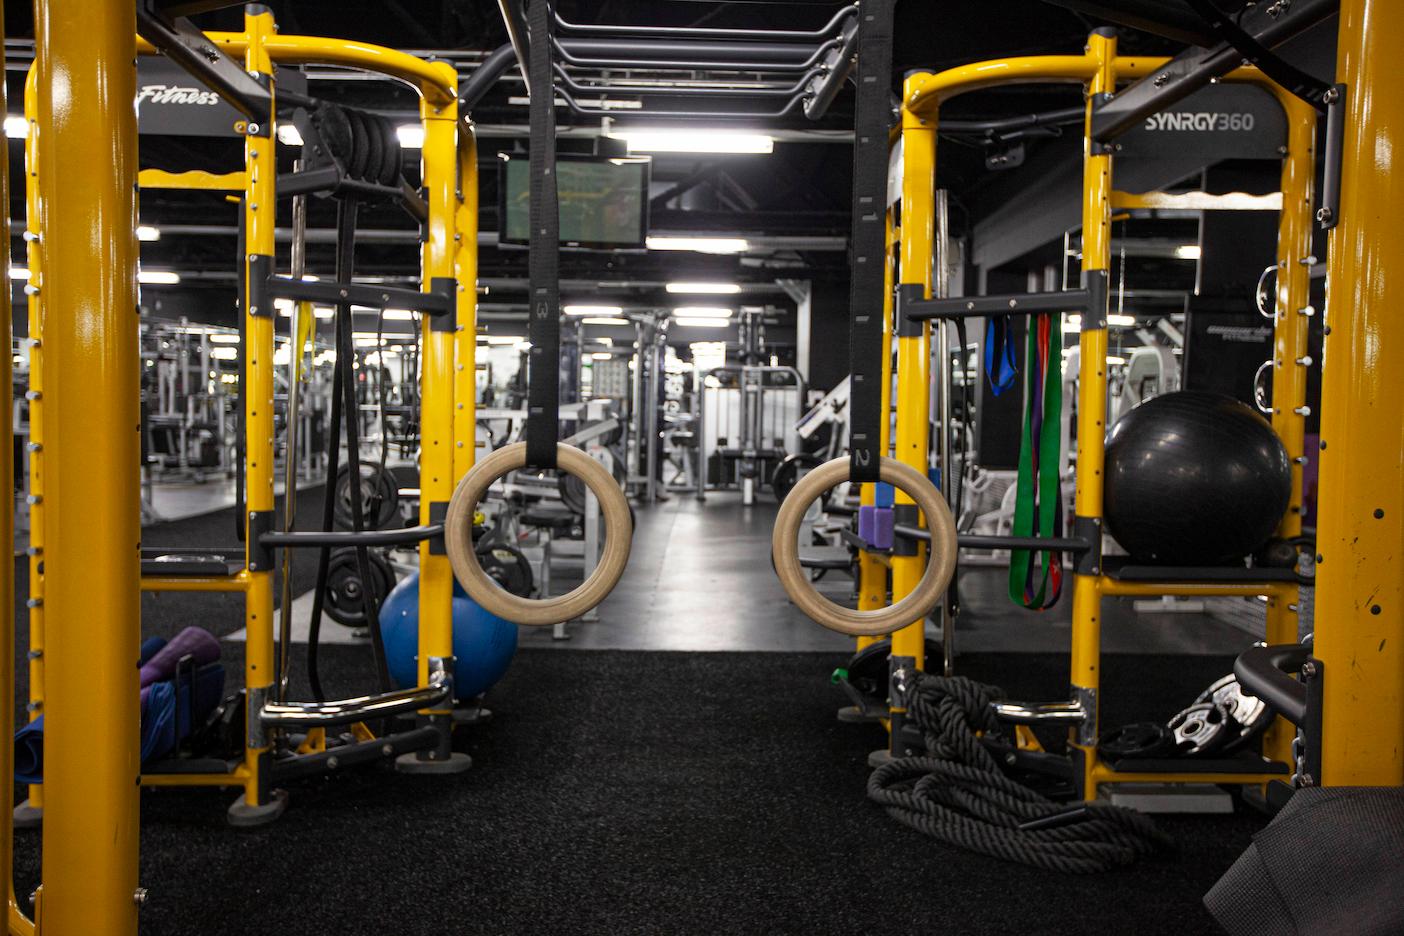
(1201,122)
(174,94)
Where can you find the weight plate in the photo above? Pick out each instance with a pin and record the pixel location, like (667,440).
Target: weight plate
(1203,728)
(344,598)
(1139,739)
(380,497)
(787,473)
(361,152)
(572,489)
(509,568)
(1249,713)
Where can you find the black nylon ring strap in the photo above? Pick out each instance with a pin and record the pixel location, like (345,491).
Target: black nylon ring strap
(869,237)
(543,265)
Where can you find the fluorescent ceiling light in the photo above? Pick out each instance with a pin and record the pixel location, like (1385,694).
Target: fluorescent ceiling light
(705,140)
(16,127)
(600,355)
(710,289)
(146,232)
(605,320)
(288,135)
(323,312)
(593,310)
(19,273)
(1121,321)
(501,339)
(708,245)
(688,322)
(224,354)
(399,315)
(523,346)
(1188,252)
(411,136)
(224,338)
(702,312)
(158,277)
(1115,359)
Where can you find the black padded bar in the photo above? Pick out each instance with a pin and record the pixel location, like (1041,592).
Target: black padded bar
(1262,672)
(543,263)
(871,121)
(1268,24)
(403,537)
(361,294)
(1063,300)
(186,45)
(980,541)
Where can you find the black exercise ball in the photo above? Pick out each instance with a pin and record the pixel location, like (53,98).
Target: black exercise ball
(1194,479)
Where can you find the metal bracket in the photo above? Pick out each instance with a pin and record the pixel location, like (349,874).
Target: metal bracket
(1086,699)
(446,288)
(909,295)
(438,515)
(260,553)
(1094,314)
(1089,529)
(260,271)
(254,699)
(1329,214)
(1313,675)
(905,515)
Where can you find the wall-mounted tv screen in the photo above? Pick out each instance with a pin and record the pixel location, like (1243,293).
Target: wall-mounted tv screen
(603,199)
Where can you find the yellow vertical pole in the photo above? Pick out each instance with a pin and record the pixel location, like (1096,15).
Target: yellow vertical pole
(92,527)
(1092,408)
(437,414)
(872,573)
(1360,582)
(260,215)
(1290,362)
(7,545)
(33,807)
(914,358)
(465,388)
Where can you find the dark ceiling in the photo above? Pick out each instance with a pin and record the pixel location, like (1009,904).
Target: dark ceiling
(801,190)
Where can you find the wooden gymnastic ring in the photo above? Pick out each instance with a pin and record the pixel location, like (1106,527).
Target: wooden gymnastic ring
(458,538)
(941,552)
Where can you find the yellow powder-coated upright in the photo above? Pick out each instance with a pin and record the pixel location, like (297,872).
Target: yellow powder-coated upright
(7,580)
(1290,362)
(912,437)
(1092,394)
(437,464)
(37,460)
(260,216)
(87,147)
(1360,533)
(465,417)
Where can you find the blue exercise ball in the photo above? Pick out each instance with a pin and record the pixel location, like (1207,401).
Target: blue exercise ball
(483,643)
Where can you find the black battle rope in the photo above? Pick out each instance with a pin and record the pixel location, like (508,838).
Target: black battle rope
(958,794)
(871,121)
(344,402)
(544,329)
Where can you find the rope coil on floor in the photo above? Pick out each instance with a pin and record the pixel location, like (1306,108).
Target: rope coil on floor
(957,793)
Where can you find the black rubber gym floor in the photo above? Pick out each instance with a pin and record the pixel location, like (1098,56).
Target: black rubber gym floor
(644,792)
